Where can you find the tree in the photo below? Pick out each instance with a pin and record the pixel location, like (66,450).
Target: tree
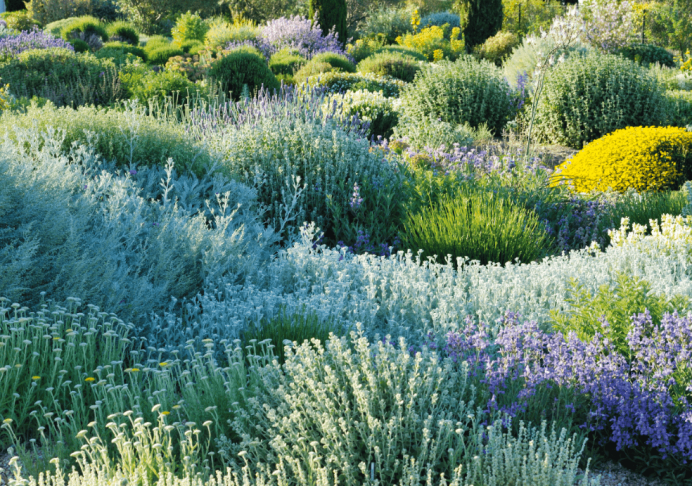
(331,14)
(480,19)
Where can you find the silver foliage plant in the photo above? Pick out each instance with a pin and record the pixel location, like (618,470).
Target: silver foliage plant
(127,241)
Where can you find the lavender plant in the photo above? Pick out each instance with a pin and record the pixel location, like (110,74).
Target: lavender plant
(12,45)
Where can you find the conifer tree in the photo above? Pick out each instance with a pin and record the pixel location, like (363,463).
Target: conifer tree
(480,19)
(330,14)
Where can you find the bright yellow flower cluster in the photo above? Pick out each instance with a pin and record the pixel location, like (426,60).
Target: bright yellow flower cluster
(685,62)
(641,158)
(415,20)
(431,42)
(4,98)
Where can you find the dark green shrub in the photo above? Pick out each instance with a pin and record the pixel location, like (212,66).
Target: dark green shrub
(157,86)
(62,76)
(390,64)
(480,20)
(14,5)
(156,41)
(465,91)
(587,97)
(123,31)
(118,51)
(161,55)
(646,54)
(242,67)
(404,51)
(337,61)
(79,45)
(678,108)
(480,226)
(85,27)
(286,61)
(331,15)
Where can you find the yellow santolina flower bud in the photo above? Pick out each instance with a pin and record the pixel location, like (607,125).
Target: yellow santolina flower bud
(90,378)
(165,412)
(641,158)
(35,378)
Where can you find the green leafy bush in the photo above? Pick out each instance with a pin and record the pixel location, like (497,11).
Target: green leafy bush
(341,82)
(466,91)
(363,48)
(479,226)
(430,131)
(628,296)
(221,33)
(189,27)
(118,52)
(62,76)
(20,20)
(678,108)
(337,61)
(157,86)
(585,98)
(161,55)
(124,32)
(496,48)
(85,28)
(394,65)
(646,54)
(156,41)
(391,22)
(312,72)
(80,46)
(47,11)
(242,67)
(286,61)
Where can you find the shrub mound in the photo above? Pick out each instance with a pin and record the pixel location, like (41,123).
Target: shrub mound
(465,91)
(341,82)
(124,32)
(244,66)
(640,158)
(587,97)
(392,64)
(286,61)
(61,76)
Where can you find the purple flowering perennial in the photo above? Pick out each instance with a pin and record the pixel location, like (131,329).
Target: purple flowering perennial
(640,397)
(13,45)
(302,35)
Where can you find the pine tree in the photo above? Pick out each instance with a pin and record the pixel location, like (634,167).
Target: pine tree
(480,19)
(330,14)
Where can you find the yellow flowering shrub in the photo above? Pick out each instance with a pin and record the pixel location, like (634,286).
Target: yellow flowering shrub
(432,43)
(641,158)
(685,62)
(4,98)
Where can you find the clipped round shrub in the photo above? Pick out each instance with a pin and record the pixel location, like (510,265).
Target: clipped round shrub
(585,98)
(341,82)
(479,226)
(286,61)
(189,45)
(161,55)
(124,32)
(62,76)
(496,48)
(337,61)
(312,71)
(391,64)
(156,41)
(639,158)
(465,91)
(374,108)
(20,20)
(189,27)
(162,84)
(54,28)
(243,66)
(84,28)
(646,54)
(119,50)
(404,51)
